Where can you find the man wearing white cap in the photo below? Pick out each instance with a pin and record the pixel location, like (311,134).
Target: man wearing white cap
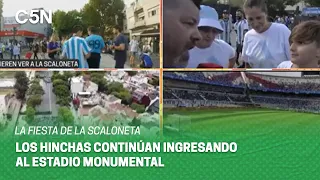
(210,50)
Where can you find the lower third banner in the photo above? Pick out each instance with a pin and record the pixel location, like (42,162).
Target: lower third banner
(43,63)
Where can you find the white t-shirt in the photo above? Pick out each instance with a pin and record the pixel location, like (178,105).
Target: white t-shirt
(134,45)
(146,48)
(285,65)
(218,53)
(268,49)
(16,50)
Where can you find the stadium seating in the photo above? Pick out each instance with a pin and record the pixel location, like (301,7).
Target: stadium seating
(284,84)
(221,88)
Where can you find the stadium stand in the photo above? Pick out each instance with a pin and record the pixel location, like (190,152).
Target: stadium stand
(211,89)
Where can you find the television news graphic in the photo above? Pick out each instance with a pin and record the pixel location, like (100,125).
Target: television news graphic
(209,65)
(311,73)
(43,63)
(35,16)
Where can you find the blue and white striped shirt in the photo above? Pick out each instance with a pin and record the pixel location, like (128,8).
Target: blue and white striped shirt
(240,26)
(227,26)
(77,48)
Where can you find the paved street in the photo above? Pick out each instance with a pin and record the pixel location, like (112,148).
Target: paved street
(13,109)
(48,104)
(107,60)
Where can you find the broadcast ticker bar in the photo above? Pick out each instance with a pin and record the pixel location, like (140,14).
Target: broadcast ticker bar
(35,64)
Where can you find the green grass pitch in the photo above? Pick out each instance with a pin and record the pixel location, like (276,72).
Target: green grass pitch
(235,122)
(272,144)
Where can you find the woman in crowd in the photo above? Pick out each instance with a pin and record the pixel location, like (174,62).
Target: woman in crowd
(266,45)
(53,47)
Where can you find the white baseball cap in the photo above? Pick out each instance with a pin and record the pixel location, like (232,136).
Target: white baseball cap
(209,17)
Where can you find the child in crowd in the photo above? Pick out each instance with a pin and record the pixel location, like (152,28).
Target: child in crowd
(146,61)
(209,51)
(305,46)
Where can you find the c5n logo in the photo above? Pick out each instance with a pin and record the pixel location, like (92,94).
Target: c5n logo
(34,17)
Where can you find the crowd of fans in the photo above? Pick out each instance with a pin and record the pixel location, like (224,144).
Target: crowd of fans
(222,89)
(237,98)
(255,82)
(199,77)
(211,96)
(227,79)
(200,97)
(283,84)
(305,105)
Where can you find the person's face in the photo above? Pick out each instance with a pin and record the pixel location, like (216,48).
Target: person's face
(304,53)
(239,15)
(256,18)
(89,32)
(115,31)
(225,15)
(180,31)
(80,33)
(208,35)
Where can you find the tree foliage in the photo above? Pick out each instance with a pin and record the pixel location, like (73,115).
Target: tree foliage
(56,76)
(64,101)
(21,85)
(154,81)
(115,87)
(98,78)
(78,73)
(103,14)
(61,88)
(35,93)
(35,89)
(61,91)
(34,101)
(58,82)
(63,22)
(139,108)
(314,3)
(30,114)
(132,73)
(68,74)
(65,116)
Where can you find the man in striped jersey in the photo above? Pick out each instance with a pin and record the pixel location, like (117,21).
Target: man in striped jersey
(77,48)
(226,25)
(241,27)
